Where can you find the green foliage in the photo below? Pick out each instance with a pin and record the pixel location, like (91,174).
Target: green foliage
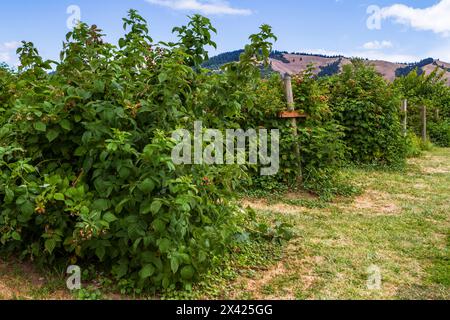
(413,145)
(320,136)
(432,91)
(194,37)
(89,293)
(367,107)
(265,187)
(86,174)
(216,62)
(7,79)
(440,133)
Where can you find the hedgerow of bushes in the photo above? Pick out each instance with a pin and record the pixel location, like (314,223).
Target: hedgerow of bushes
(86,175)
(367,108)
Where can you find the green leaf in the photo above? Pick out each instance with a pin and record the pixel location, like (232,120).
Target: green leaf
(101,205)
(166,282)
(164,245)
(153,207)
(50,245)
(156,206)
(66,124)
(16,236)
(148,240)
(146,207)
(121,269)
(162,77)
(147,271)
(59,197)
(84,93)
(124,172)
(147,186)
(159,225)
(40,126)
(99,86)
(187,273)
(52,135)
(27,211)
(136,244)
(122,43)
(80,151)
(109,217)
(100,252)
(21,200)
(120,206)
(9,196)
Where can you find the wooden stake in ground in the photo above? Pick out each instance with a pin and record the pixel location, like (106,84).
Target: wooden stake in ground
(424,124)
(291,108)
(405,117)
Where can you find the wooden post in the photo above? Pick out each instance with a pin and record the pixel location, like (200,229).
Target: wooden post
(291,108)
(289,93)
(424,124)
(405,117)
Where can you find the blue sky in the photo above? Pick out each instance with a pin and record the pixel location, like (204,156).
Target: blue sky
(399,30)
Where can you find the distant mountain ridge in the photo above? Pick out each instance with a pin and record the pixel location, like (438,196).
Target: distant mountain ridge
(293,63)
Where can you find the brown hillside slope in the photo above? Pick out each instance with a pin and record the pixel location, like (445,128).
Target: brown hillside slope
(299,63)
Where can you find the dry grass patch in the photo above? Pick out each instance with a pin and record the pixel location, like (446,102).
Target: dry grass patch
(375,202)
(263,205)
(22,281)
(283,281)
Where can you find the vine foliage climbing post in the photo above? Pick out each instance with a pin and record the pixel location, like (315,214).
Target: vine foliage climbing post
(291,108)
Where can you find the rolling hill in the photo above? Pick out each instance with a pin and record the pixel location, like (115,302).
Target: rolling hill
(293,63)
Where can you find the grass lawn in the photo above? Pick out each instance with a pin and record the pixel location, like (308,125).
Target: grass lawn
(400,225)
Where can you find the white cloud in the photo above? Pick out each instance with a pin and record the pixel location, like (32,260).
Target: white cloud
(441,53)
(4,57)
(391,57)
(208,7)
(434,18)
(377,45)
(7,51)
(13,45)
